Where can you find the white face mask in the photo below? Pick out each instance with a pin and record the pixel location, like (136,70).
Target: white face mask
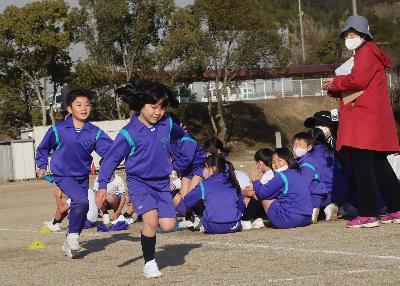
(281,169)
(299,152)
(325,129)
(352,44)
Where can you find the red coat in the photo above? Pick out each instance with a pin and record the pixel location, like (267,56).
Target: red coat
(368,121)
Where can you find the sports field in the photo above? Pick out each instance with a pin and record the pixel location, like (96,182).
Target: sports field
(322,254)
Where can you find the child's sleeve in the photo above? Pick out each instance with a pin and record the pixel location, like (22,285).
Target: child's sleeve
(103,143)
(184,156)
(117,152)
(176,132)
(270,190)
(43,150)
(308,174)
(193,197)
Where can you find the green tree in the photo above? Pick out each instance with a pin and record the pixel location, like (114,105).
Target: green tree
(15,111)
(34,40)
(242,36)
(184,50)
(122,35)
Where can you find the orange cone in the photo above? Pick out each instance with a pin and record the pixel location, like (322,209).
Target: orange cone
(93,171)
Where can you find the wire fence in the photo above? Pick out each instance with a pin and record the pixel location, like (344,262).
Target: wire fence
(263,89)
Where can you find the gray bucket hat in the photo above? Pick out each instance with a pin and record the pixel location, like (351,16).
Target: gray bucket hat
(358,23)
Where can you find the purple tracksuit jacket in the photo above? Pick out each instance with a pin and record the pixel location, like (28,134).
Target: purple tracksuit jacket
(187,156)
(71,151)
(146,150)
(221,200)
(310,170)
(290,189)
(332,175)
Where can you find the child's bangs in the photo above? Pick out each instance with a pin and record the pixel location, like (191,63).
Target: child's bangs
(159,98)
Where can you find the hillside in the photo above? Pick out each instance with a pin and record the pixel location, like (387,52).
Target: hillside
(253,123)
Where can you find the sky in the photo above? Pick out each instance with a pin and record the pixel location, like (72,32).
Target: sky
(77,50)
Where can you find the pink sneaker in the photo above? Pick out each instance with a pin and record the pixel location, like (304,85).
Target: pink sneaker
(391,218)
(362,221)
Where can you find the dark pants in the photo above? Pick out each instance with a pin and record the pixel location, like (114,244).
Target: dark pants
(254,210)
(373,175)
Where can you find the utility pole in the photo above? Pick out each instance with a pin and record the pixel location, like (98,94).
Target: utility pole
(302,32)
(354,2)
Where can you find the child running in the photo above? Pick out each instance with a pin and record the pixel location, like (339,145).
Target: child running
(285,198)
(71,142)
(220,192)
(144,143)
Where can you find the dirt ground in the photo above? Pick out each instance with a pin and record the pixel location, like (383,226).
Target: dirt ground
(322,254)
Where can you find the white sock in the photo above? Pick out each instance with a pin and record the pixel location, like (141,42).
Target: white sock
(73,235)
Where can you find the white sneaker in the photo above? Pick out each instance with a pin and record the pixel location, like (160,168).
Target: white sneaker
(246,224)
(331,212)
(185,224)
(258,223)
(106,218)
(315,213)
(150,269)
(71,245)
(51,226)
(120,218)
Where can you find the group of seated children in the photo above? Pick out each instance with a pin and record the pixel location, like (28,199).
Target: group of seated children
(286,187)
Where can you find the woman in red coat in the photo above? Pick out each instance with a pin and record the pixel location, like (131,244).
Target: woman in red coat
(367,131)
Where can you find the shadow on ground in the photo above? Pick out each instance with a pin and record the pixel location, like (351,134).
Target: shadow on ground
(170,255)
(100,244)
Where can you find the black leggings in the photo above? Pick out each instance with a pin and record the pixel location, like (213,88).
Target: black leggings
(253,210)
(373,175)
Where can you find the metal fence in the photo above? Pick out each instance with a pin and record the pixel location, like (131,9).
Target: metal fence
(264,89)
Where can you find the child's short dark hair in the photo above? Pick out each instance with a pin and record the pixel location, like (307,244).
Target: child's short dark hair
(212,145)
(303,136)
(75,92)
(138,94)
(264,155)
(287,155)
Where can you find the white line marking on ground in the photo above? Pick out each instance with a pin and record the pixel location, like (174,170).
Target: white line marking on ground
(293,249)
(240,245)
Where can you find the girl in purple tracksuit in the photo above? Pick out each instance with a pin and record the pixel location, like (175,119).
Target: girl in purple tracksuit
(285,198)
(220,192)
(144,143)
(71,142)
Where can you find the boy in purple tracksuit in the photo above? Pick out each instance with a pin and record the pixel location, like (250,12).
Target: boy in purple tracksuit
(72,141)
(285,198)
(144,143)
(220,192)
(321,163)
(310,170)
